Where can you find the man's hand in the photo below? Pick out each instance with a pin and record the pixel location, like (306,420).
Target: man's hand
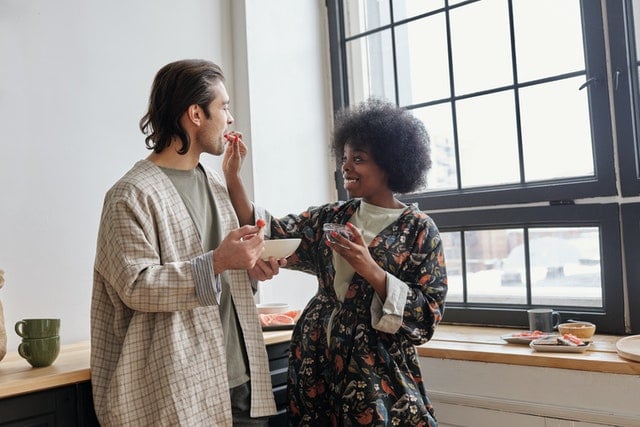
(240,250)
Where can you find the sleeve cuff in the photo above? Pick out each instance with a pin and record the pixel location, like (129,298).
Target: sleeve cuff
(387,316)
(260,212)
(208,286)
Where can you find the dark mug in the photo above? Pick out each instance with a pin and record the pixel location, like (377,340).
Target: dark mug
(543,319)
(40,352)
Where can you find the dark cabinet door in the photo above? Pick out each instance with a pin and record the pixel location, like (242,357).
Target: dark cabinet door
(278,365)
(68,406)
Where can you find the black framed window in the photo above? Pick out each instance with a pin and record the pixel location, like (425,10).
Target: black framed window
(516,97)
(625,64)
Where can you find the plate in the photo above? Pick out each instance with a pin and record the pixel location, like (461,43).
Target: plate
(515,338)
(629,347)
(272,307)
(279,321)
(560,348)
(279,248)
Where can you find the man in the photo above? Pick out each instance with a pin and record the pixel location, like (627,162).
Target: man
(175,335)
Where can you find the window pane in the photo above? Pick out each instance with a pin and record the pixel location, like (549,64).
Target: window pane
(437,120)
(555,127)
(365,15)
(488,142)
(453,258)
(407,8)
(487,282)
(482,57)
(635,10)
(565,266)
(370,68)
(548,38)
(423,77)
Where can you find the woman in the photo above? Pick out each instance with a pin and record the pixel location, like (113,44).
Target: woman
(380,292)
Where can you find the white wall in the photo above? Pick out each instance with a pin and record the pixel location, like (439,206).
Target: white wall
(74,82)
(289,120)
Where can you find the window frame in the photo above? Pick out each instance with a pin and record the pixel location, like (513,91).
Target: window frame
(630,214)
(564,202)
(625,84)
(609,318)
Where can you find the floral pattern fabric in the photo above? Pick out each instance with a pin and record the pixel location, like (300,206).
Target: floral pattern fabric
(363,376)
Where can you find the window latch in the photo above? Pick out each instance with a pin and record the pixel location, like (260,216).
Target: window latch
(588,82)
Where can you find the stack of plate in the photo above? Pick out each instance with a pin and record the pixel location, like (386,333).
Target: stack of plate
(629,347)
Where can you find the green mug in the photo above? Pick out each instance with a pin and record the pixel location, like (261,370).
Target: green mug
(40,352)
(37,328)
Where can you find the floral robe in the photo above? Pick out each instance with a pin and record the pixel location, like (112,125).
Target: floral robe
(363,376)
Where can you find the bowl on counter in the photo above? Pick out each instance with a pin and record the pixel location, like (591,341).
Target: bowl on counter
(272,308)
(582,330)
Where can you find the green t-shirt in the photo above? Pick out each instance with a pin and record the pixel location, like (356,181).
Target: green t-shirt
(197,196)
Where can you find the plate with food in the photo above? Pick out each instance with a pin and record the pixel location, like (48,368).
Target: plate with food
(566,343)
(525,337)
(279,321)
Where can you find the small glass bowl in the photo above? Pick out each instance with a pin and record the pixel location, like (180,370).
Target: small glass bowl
(342,229)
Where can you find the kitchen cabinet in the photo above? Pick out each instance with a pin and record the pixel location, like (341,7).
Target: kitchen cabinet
(278,365)
(473,377)
(60,395)
(68,406)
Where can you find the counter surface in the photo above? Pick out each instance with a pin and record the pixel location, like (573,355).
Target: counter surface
(71,366)
(450,342)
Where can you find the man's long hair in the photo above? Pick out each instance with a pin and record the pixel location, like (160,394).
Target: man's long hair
(176,87)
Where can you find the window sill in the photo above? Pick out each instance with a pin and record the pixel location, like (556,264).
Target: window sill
(483,344)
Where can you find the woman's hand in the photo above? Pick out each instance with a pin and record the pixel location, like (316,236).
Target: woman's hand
(356,253)
(234,154)
(266,270)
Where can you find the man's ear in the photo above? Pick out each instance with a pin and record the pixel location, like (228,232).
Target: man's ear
(194,114)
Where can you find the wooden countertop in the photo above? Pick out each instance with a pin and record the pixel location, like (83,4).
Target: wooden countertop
(71,366)
(483,344)
(18,377)
(480,344)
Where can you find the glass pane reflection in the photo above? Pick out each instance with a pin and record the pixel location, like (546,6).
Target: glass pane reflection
(453,258)
(555,127)
(437,120)
(422,77)
(370,68)
(482,56)
(365,15)
(555,50)
(487,281)
(565,266)
(403,9)
(487,140)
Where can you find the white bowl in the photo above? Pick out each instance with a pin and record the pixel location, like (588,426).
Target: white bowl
(279,248)
(272,307)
